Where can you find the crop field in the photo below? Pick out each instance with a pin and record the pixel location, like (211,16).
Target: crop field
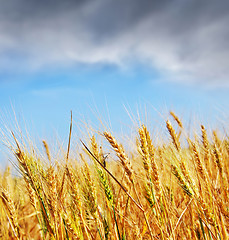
(149,187)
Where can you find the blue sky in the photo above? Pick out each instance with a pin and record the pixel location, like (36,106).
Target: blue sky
(99,58)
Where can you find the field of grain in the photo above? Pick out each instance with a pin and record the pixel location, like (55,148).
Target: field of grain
(176,188)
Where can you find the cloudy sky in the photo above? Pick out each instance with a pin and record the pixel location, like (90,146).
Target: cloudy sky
(98,57)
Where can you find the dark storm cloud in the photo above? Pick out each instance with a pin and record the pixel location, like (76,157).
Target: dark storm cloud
(28,9)
(186,40)
(113,17)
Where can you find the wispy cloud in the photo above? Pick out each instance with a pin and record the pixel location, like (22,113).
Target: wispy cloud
(184,40)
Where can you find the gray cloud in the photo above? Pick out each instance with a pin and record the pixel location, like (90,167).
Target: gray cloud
(184,40)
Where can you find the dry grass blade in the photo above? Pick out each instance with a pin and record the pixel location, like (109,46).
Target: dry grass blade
(69,139)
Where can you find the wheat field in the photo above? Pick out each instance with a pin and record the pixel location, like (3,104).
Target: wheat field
(175,188)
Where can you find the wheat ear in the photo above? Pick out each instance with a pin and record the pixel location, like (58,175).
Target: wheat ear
(121,155)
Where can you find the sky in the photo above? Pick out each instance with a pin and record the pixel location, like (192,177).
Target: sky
(106,60)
